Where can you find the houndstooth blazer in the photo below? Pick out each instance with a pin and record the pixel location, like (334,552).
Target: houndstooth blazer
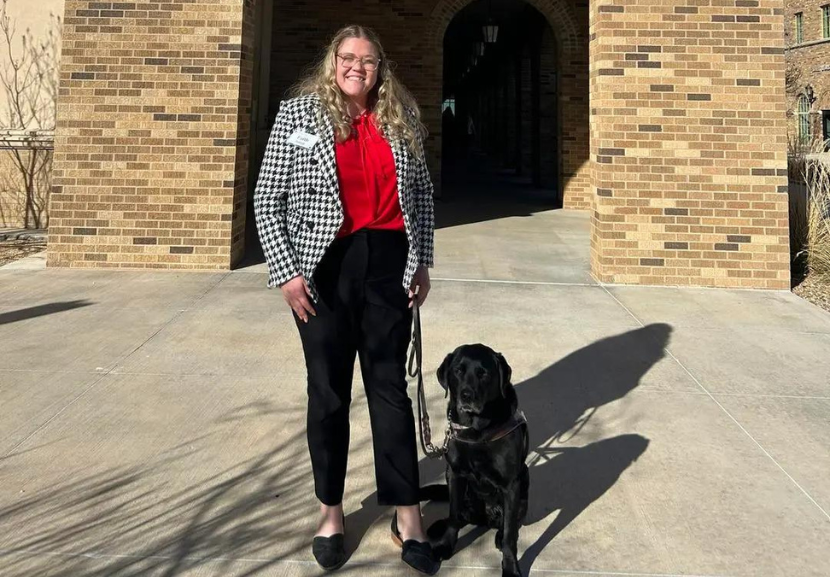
(297,197)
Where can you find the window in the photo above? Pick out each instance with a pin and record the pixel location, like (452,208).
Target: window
(825,21)
(449,103)
(825,126)
(799,27)
(803,117)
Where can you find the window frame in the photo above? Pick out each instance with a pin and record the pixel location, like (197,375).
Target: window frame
(803,119)
(799,27)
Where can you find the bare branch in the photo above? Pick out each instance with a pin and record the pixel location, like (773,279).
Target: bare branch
(29,79)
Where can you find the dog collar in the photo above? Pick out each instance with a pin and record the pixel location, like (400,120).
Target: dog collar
(467,434)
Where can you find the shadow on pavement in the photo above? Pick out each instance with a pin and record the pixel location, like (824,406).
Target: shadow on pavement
(159,517)
(127,521)
(41,310)
(559,402)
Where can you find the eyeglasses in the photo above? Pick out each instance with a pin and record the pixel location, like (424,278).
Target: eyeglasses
(369,62)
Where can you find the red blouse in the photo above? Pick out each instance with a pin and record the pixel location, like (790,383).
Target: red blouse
(368,184)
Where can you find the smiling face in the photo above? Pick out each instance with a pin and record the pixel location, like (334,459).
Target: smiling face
(355,81)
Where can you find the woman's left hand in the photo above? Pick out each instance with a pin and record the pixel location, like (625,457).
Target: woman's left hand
(420,282)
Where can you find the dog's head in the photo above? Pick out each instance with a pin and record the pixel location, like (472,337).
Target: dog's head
(475,375)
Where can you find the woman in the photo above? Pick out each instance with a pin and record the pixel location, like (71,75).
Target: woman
(345,215)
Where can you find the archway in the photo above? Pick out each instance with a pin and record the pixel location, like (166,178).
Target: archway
(554,51)
(499,103)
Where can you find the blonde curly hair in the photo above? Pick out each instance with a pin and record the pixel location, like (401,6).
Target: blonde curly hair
(394,107)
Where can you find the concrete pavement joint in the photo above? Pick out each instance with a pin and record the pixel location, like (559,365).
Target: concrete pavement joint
(740,426)
(748,395)
(294,372)
(53,417)
(766,396)
(48,372)
(519,282)
(225,559)
(616,573)
(606,285)
(693,287)
(107,372)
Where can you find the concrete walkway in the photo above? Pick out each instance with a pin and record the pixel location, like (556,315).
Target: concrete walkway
(153,423)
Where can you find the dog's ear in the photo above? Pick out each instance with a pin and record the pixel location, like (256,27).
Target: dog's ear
(506,374)
(442,372)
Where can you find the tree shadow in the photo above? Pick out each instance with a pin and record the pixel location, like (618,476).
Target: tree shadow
(169,515)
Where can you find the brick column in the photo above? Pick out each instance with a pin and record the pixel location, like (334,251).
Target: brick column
(573,91)
(150,167)
(688,143)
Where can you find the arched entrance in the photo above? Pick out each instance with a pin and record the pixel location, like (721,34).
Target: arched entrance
(527,96)
(499,107)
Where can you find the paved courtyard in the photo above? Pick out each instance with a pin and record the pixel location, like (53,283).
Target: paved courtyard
(153,422)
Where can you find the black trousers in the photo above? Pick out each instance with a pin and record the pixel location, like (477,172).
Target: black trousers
(363,309)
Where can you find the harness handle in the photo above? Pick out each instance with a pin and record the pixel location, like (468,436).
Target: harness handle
(414,369)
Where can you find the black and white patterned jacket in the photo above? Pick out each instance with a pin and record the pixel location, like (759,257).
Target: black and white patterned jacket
(297,197)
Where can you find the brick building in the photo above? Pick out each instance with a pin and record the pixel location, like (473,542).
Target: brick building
(807,40)
(666,119)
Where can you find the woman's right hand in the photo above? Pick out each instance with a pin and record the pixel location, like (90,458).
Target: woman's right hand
(296,294)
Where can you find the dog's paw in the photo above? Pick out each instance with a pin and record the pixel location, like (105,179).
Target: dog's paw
(510,568)
(442,550)
(442,538)
(499,537)
(437,530)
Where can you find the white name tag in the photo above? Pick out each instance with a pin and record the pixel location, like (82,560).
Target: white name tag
(304,139)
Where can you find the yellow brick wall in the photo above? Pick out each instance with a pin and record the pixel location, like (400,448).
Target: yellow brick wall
(688,140)
(150,150)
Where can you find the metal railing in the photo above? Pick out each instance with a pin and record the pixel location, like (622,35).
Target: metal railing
(16,138)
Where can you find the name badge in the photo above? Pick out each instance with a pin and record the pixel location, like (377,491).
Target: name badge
(304,139)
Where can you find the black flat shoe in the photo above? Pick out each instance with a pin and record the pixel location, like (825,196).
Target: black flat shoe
(330,552)
(414,553)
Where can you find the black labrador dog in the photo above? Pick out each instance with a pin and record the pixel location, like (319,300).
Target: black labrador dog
(487,476)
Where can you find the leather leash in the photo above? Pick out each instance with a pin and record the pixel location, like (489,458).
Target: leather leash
(414,369)
(454,431)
